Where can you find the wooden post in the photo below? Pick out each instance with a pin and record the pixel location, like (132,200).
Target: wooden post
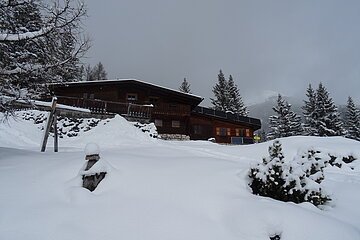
(91,181)
(128,110)
(48,124)
(56,137)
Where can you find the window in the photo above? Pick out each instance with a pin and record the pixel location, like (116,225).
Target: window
(175,123)
(239,132)
(222,131)
(158,122)
(247,132)
(85,95)
(218,131)
(228,131)
(131,97)
(92,96)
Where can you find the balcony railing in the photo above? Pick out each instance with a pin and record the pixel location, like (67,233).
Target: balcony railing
(109,107)
(227,115)
(172,109)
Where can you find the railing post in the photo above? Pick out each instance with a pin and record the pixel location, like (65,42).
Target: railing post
(128,110)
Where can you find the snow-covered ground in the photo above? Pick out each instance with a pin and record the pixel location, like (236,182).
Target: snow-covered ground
(154,189)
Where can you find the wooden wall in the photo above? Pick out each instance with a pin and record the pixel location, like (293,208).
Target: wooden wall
(204,127)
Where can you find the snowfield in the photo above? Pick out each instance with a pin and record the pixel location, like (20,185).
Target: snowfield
(162,190)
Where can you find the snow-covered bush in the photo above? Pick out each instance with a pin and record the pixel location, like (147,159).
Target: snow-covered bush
(297,180)
(148,128)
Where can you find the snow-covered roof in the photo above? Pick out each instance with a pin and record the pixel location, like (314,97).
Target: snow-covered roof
(126,80)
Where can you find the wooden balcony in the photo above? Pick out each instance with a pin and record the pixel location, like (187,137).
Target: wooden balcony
(172,109)
(130,110)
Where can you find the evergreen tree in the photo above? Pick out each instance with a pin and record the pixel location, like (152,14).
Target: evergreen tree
(185,86)
(21,17)
(309,112)
(221,91)
(39,44)
(236,103)
(87,73)
(298,180)
(270,183)
(352,120)
(98,72)
(286,123)
(327,118)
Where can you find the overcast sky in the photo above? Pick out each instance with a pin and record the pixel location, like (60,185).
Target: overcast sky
(268,45)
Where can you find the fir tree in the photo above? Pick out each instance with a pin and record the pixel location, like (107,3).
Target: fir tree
(98,72)
(236,103)
(21,18)
(298,180)
(286,123)
(39,44)
(309,112)
(87,73)
(185,86)
(221,91)
(352,120)
(327,118)
(270,183)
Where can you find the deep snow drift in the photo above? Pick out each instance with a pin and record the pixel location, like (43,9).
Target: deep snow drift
(158,189)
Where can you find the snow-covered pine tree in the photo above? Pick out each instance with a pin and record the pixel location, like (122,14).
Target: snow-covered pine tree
(352,120)
(185,86)
(298,180)
(221,91)
(40,42)
(98,73)
(328,122)
(236,103)
(309,112)
(268,180)
(19,17)
(295,127)
(286,123)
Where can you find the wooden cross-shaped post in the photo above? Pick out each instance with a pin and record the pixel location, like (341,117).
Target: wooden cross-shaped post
(52,120)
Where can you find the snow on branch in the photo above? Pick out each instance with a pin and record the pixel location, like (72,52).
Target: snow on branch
(24,36)
(59,17)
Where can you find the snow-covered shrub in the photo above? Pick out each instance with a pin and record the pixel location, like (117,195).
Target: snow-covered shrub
(148,128)
(296,181)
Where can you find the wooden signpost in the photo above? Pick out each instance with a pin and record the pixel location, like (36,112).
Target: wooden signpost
(51,121)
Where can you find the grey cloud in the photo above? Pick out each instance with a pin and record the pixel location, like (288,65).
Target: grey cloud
(265,45)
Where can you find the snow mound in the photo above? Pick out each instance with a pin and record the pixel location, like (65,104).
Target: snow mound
(26,130)
(92,149)
(115,132)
